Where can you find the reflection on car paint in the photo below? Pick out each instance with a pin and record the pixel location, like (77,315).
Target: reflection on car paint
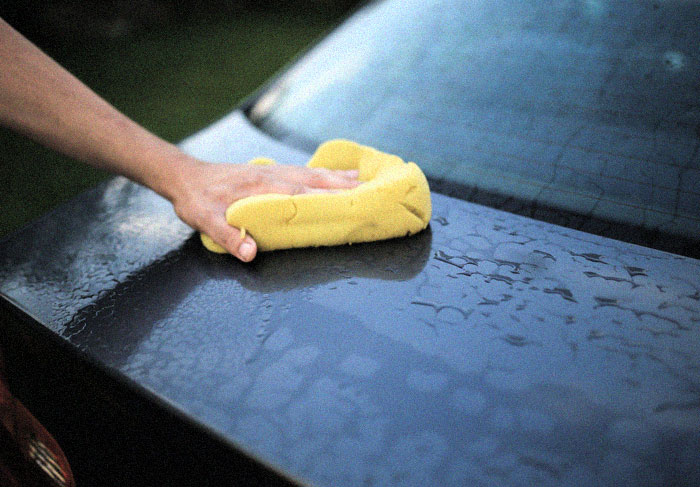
(486,349)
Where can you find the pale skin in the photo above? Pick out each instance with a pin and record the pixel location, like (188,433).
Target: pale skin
(45,102)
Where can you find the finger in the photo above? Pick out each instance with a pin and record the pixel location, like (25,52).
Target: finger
(325,178)
(342,173)
(287,189)
(321,190)
(231,238)
(320,177)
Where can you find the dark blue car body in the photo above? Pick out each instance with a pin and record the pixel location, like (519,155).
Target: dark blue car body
(490,349)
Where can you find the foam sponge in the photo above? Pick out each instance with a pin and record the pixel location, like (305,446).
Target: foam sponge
(393,201)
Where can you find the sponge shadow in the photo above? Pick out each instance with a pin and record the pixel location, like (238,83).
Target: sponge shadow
(395,260)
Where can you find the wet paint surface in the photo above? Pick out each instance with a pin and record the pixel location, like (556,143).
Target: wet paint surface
(491,349)
(586,107)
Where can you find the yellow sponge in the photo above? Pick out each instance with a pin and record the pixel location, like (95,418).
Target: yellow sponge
(394,201)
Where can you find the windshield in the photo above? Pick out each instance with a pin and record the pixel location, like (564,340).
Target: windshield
(588,106)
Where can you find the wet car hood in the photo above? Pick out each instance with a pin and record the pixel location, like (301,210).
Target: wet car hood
(490,347)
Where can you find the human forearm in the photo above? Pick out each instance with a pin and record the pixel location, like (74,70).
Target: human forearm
(44,101)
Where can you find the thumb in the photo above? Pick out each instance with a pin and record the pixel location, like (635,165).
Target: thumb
(235,241)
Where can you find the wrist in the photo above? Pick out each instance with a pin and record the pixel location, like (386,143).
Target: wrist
(171,173)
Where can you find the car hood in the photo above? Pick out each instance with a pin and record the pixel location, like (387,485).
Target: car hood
(488,348)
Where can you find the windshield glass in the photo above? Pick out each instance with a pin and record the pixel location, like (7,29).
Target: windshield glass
(588,106)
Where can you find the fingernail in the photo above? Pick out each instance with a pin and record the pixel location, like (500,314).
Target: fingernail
(246,250)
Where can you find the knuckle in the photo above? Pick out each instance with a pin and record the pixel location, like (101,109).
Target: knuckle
(317,179)
(258,179)
(232,239)
(208,220)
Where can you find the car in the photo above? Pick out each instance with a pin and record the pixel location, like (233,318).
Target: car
(544,330)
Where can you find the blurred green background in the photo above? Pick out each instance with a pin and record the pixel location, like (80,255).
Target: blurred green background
(173,66)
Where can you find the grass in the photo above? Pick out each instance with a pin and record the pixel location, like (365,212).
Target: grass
(174,80)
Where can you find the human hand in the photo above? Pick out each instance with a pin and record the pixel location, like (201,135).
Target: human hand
(41,99)
(203,191)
